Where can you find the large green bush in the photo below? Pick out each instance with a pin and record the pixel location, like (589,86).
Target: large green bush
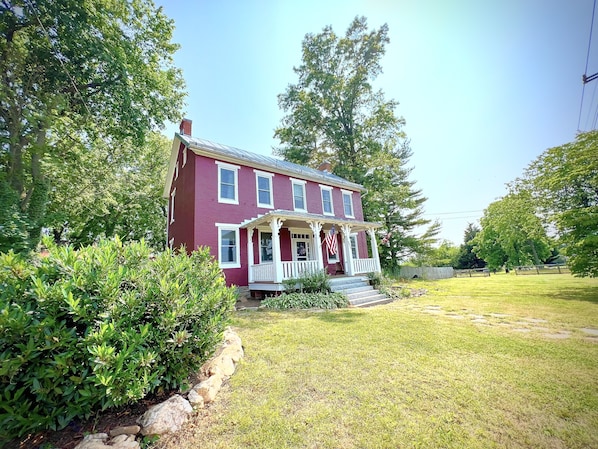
(101,327)
(297,300)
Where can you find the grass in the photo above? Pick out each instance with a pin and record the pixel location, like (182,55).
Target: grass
(477,363)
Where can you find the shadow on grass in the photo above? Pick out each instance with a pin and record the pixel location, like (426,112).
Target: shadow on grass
(589,294)
(340,316)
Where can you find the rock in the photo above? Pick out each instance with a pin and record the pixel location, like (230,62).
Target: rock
(124,442)
(235,352)
(96,436)
(126,430)
(195,399)
(166,417)
(92,444)
(230,337)
(222,364)
(209,388)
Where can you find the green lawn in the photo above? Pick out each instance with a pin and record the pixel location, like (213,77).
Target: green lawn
(506,361)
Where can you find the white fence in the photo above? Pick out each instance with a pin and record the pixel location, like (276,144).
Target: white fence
(426,272)
(298,268)
(364,266)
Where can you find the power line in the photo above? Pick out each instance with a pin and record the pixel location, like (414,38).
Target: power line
(585,78)
(455,213)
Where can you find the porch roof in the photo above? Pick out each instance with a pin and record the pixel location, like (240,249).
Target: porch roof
(300,219)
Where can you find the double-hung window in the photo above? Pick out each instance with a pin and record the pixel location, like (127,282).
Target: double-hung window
(263,183)
(327,206)
(228,183)
(348,203)
(354,248)
(228,246)
(172,196)
(299,201)
(265,247)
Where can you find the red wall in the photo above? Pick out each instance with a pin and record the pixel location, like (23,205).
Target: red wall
(197,202)
(182,227)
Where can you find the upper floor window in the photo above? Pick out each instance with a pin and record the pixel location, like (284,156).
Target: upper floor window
(172,195)
(327,206)
(299,202)
(263,182)
(228,246)
(348,203)
(184,156)
(176,170)
(228,183)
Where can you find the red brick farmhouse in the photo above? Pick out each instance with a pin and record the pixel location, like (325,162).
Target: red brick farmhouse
(264,219)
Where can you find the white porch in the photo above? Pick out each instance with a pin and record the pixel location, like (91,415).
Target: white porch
(268,275)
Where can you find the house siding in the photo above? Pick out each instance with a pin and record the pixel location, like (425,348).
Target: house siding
(197,210)
(184,203)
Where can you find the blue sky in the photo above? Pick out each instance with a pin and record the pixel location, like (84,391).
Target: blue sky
(484,86)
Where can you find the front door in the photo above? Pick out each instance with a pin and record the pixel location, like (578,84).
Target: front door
(301,247)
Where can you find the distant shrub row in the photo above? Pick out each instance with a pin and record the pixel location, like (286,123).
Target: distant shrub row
(101,327)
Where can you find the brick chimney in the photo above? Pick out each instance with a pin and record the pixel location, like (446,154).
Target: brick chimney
(325,167)
(185,127)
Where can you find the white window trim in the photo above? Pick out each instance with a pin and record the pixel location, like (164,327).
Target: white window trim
(264,174)
(351,236)
(229,227)
(329,189)
(184,156)
(172,195)
(300,182)
(235,170)
(171,243)
(350,193)
(176,170)
(267,231)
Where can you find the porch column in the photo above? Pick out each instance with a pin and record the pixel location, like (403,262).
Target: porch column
(275,225)
(347,253)
(250,253)
(374,245)
(316,227)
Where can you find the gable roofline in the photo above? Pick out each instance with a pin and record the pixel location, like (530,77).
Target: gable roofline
(267,163)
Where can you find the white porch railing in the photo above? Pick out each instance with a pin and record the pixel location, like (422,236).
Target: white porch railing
(364,266)
(296,269)
(263,272)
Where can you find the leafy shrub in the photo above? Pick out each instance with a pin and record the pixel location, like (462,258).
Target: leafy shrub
(308,283)
(101,327)
(306,301)
(375,279)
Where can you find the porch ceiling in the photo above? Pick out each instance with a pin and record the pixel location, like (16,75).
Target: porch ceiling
(301,220)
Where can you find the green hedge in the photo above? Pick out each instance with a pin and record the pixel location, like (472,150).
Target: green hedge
(101,327)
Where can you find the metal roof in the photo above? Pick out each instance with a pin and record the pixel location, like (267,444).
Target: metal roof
(266,162)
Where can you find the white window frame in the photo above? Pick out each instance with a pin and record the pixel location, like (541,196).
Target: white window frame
(176,170)
(353,237)
(184,156)
(235,170)
(269,176)
(172,195)
(264,231)
(348,193)
(229,227)
(171,243)
(329,190)
(299,182)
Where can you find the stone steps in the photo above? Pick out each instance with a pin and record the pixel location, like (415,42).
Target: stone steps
(359,291)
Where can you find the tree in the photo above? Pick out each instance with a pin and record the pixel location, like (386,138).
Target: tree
(512,235)
(77,70)
(334,114)
(110,192)
(467,257)
(444,255)
(563,182)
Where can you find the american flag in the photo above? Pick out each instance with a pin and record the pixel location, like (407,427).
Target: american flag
(331,241)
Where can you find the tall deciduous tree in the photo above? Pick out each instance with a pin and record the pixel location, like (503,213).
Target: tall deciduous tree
(333,113)
(564,184)
(511,235)
(467,257)
(103,68)
(110,191)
